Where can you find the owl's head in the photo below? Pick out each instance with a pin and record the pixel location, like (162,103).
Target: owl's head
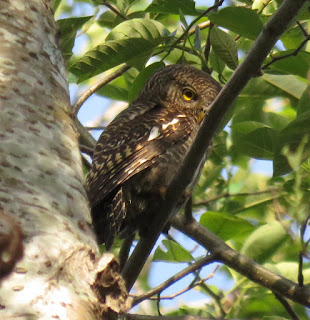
(182,86)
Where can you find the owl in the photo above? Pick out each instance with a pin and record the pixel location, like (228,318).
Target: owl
(140,151)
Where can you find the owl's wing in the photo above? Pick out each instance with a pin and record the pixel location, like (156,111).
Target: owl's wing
(128,147)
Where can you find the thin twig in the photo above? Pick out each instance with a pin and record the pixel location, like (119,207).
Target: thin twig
(85,149)
(217,299)
(243,265)
(302,252)
(99,84)
(189,287)
(201,26)
(95,128)
(195,266)
(228,195)
(115,10)
(303,30)
(294,53)
(286,306)
(265,4)
(130,316)
(186,31)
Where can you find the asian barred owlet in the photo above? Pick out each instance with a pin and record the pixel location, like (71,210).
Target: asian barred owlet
(141,150)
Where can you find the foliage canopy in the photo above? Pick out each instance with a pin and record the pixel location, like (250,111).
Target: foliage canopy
(260,212)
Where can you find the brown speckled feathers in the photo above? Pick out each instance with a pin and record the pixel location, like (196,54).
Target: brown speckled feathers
(139,153)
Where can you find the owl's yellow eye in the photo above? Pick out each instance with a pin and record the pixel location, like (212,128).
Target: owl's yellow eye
(188,94)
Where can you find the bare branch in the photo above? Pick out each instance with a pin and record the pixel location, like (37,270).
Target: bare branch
(115,10)
(245,266)
(216,298)
(201,26)
(195,266)
(228,195)
(190,286)
(103,80)
(304,245)
(294,53)
(286,306)
(245,71)
(129,316)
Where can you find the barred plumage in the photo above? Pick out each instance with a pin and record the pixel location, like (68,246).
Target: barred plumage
(139,153)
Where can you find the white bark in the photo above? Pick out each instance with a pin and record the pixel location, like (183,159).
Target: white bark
(41,178)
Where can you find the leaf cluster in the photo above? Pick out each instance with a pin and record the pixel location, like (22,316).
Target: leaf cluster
(258,212)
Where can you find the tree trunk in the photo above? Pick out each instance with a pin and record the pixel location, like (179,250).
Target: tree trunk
(42,183)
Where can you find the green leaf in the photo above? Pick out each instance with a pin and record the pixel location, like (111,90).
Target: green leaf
(255,139)
(68,28)
(182,19)
(172,7)
(292,135)
(197,39)
(259,89)
(304,102)
(225,47)
(111,54)
(114,92)
(137,28)
(263,243)
(289,270)
(109,19)
(240,20)
(140,80)
(297,65)
(216,63)
(118,89)
(174,253)
(292,38)
(288,83)
(224,225)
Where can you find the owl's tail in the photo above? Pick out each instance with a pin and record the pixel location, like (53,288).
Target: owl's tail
(108,217)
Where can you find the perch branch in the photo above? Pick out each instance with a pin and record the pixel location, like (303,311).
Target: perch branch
(250,67)
(243,265)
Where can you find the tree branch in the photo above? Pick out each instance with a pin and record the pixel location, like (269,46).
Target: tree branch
(195,266)
(99,84)
(116,11)
(294,53)
(245,266)
(129,316)
(250,67)
(228,195)
(286,306)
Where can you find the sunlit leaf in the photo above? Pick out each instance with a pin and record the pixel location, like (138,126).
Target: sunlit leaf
(288,83)
(240,20)
(111,54)
(263,243)
(137,28)
(174,252)
(224,225)
(172,7)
